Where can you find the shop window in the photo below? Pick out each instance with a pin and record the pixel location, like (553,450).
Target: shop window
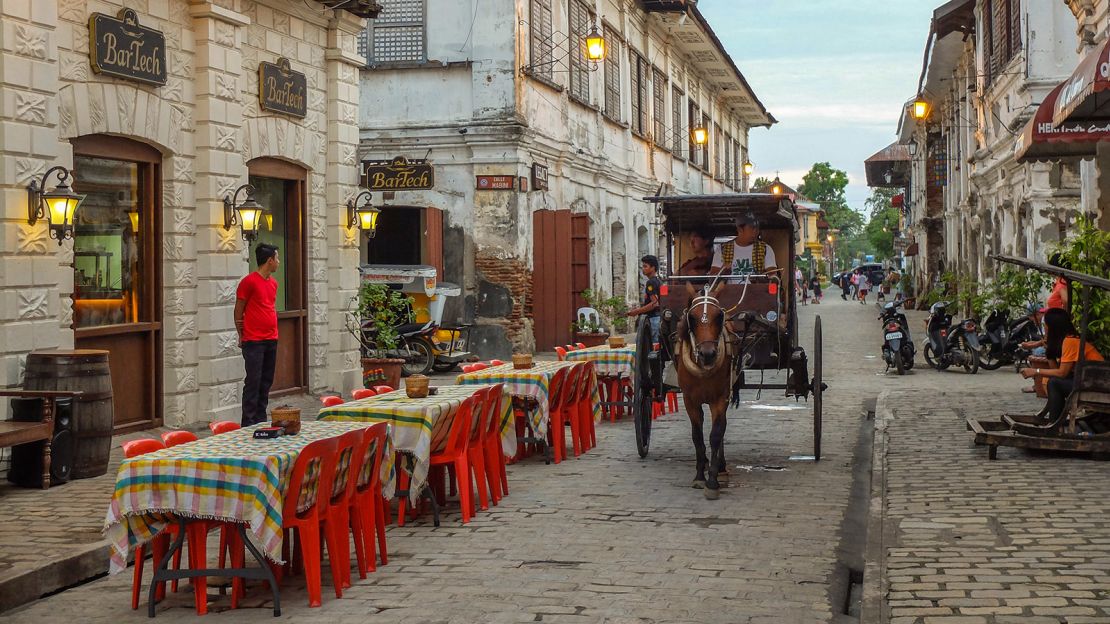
(397,35)
(612,76)
(580,20)
(108,247)
(279,228)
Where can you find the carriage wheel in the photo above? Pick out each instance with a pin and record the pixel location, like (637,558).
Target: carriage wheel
(642,389)
(818,389)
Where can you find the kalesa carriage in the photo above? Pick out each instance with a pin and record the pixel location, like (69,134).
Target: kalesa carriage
(757,312)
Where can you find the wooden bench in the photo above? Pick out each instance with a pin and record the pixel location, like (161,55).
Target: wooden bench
(14,433)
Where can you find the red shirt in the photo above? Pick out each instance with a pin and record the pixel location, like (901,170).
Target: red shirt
(260,316)
(1056,299)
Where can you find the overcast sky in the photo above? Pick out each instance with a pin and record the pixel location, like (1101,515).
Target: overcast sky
(835,74)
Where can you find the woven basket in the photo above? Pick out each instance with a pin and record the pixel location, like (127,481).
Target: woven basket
(416,386)
(288,418)
(616,342)
(522,361)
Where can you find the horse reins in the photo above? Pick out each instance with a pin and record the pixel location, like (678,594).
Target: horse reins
(704,301)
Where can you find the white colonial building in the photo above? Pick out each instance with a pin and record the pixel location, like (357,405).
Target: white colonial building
(541,158)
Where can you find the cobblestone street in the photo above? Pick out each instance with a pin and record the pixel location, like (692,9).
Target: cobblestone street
(612,538)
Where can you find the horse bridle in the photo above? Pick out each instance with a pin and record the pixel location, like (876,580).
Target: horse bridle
(705,301)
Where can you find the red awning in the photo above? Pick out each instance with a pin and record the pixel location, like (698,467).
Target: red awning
(1084,96)
(1042,140)
(898,200)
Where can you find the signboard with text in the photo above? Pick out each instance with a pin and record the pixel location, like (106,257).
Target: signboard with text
(539,177)
(399,174)
(282,90)
(496,182)
(121,48)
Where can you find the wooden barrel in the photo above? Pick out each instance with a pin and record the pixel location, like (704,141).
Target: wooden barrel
(85,370)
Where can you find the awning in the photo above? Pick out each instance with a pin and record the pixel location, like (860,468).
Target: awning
(1085,96)
(911,250)
(954,16)
(1042,140)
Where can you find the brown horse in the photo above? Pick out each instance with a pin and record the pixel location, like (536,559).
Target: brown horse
(703,362)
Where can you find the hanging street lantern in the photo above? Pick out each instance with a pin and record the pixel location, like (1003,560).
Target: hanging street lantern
(57,205)
(748,167)
(595,45)
(700,135)
(247,214)
(920,109)
(362,214)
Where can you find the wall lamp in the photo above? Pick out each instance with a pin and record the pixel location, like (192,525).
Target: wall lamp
(247,213)
(748,167)
(920,109)
(58,205)
(700,135)
(363,215)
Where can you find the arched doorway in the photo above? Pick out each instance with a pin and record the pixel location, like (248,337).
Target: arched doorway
(619,263)
(117,270)
(280,188)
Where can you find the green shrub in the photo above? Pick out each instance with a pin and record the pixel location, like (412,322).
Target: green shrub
(1088,251)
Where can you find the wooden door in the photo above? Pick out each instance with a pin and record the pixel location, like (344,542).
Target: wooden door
(280,188)
(117,270)
(552,298)
(433,240)
(579,258)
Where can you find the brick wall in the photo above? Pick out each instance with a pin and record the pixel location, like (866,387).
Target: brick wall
(513,274)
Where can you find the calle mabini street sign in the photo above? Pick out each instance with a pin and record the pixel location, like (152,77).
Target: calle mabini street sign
(120,47)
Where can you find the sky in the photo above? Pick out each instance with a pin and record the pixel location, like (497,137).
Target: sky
(835,73)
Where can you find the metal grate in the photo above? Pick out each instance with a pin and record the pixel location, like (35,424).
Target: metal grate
(397,35)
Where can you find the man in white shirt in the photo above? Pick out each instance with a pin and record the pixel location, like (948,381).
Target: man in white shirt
(745,254)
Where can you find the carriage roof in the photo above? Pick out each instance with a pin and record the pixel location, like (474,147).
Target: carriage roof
(685,212)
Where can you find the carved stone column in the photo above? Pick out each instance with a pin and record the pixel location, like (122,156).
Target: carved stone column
(220,169)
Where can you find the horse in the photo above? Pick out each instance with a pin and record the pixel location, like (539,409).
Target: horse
(703,362)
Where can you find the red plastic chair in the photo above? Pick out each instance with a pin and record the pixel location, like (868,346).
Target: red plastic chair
(496,362)
(222,426)
(383,389)
(366,509)
(363,393)
(571,347)
(453,454)
(479,366)
(351,450)
(476,451)
(583,407)
(161,543)
(307,523)
(173,438)
(562,353)
(331,400)
(563,387)
(491,445)
(580,345)
(672,402)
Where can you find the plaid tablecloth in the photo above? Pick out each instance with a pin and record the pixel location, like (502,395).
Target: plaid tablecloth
(419,427)
(533,383)
(608,362)
(230,477)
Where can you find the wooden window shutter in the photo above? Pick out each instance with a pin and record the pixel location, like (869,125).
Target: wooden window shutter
(1015,27)
(433,236)
(580,19)
(659,106)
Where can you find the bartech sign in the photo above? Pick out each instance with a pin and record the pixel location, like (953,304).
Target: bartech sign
(399,174)
(282,90)
(120,47)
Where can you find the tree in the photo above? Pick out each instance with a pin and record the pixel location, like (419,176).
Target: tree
(761,183)
(825,185)
(883,222)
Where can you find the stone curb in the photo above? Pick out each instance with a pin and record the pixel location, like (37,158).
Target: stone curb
(81,564)
(875,587)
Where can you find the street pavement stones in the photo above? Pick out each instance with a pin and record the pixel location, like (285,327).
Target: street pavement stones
(608,537)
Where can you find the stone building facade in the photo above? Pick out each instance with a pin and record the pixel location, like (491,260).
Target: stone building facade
(503,89)
(158,292)
(989,65)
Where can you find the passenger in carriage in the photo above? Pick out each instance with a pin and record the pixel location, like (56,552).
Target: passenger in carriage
(746,254)
(702,263)
(1062,345)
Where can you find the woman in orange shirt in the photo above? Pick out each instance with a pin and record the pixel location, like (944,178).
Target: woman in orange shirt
(1062,345)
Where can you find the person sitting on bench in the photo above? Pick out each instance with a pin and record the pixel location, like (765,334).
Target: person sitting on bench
(1061,345)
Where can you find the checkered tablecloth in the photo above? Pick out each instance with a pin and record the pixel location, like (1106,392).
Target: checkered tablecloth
(608,362)
(419,427)
(533,383)
(230,477)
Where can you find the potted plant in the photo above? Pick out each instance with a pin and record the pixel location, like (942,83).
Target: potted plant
(380,310)
(589,332)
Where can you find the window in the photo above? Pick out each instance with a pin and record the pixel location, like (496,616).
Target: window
(397,35)
(659,106)
(695,120)
(678,101)
(708,142)
(580,20)
(718,138)
(640,72)
(541,46)
(726,175)
(1003,35)
(612,75)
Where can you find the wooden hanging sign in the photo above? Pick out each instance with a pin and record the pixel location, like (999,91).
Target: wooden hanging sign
(120,47)
(282,90)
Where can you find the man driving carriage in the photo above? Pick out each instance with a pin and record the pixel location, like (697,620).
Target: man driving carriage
(746,254)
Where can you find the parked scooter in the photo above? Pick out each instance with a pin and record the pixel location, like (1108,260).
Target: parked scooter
(898,349)
(951,345)
(1002,338)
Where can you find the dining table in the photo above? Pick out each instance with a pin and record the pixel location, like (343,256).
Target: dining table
(532,383)
(611,364)
(418,426)
(232,477)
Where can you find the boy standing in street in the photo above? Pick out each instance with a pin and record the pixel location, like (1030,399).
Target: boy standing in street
(256,323)
(649,265)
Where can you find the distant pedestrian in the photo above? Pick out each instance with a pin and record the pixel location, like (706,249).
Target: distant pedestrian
(815,287)
(845,286)
(862,286)
(256,323)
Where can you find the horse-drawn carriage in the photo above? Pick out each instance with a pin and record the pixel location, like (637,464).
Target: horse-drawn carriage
(755,314)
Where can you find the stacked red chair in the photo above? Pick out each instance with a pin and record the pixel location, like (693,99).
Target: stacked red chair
(561,353)
(564,386)
(584,409)
(161,543)
(580,345)
(496,362)
(496,474)
(454,455)
(331,400)
(367,512)
(222,426)
(476,452)
(363,393)
(173,438)
(383,389)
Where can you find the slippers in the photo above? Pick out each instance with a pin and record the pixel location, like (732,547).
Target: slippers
(1029,390)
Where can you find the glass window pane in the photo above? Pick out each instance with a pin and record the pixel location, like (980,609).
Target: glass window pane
(270,192)
(107,254)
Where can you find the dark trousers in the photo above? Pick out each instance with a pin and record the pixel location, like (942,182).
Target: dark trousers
(1058,391)
(260,358)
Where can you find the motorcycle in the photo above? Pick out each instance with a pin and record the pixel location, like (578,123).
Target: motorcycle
(898,348)
(1002,339)
(948,344)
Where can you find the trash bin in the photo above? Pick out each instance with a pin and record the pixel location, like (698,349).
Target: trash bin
(85,370)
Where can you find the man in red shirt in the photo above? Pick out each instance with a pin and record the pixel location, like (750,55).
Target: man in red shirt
(256,322)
